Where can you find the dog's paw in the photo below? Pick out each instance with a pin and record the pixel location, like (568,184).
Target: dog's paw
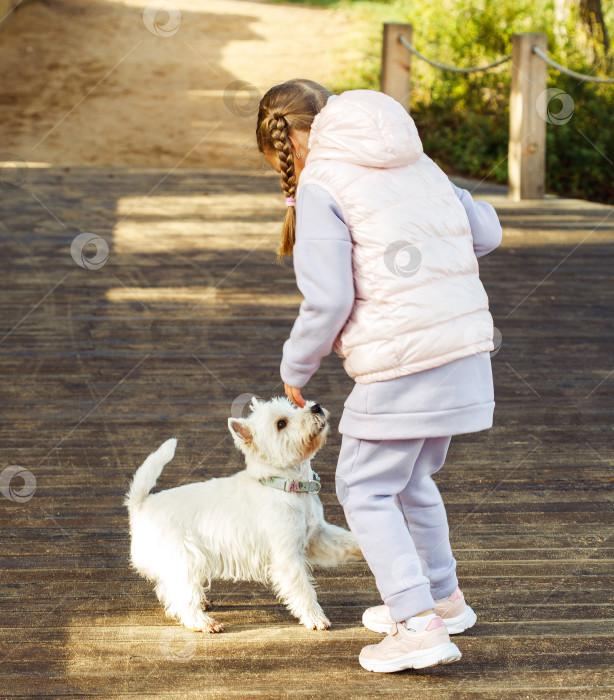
(316,622)
(205,624)
(213,626)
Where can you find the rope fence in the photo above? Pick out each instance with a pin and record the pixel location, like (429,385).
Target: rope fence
(451,69)
(505,59)
(571,73)
(529,98)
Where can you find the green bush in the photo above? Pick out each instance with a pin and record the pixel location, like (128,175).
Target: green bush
(464,118)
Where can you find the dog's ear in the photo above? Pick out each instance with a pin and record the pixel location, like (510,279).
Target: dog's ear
(254,402)
(239,429)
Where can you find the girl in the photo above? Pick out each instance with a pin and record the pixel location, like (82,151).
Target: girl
(384,249)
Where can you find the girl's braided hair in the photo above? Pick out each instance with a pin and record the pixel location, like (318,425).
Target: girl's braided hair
(291,105)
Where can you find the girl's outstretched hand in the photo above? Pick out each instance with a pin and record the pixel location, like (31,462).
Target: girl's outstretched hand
(294,394)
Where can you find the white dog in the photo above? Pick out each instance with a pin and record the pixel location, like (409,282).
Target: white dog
(263,524)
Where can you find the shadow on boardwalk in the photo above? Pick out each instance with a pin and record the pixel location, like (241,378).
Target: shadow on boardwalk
(98,367)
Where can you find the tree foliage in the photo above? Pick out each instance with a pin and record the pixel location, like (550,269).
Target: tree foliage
(464,119)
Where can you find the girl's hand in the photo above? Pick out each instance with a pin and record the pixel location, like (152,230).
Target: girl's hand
(294,394)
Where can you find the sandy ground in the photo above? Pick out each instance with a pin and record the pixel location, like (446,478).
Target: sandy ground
(137,83)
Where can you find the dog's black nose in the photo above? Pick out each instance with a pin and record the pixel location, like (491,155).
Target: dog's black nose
(317,409)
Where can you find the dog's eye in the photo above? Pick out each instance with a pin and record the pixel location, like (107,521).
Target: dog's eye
(281,424)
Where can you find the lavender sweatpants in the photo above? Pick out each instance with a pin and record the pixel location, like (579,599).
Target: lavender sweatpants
(394,508)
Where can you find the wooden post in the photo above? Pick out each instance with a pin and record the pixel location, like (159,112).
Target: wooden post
(395,73)
(527,146)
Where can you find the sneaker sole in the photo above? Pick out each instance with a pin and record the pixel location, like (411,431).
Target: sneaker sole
(441,654)
(460,623)
(454,625)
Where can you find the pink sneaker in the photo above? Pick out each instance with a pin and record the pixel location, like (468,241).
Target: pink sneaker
(405,648)
(455,613)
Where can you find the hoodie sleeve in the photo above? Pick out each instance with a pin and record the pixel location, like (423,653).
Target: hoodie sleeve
(485,226)
(322,260)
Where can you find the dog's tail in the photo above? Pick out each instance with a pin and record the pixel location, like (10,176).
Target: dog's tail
(147,474)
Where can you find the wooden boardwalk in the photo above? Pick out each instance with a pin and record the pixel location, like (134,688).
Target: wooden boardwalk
(188,312)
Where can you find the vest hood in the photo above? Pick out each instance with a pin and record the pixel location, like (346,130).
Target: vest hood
(366,128)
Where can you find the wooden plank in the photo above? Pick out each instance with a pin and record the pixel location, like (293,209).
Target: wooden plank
(529,501)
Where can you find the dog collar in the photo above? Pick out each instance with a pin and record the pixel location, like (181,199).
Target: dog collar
(292,486)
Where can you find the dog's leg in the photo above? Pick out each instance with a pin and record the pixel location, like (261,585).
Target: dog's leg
(293,585)
(333,545)
(184,601)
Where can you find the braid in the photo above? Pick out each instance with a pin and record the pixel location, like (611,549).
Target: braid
(279,131)
(289,106)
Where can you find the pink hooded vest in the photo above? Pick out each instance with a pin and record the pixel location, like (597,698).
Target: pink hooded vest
(419,302)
